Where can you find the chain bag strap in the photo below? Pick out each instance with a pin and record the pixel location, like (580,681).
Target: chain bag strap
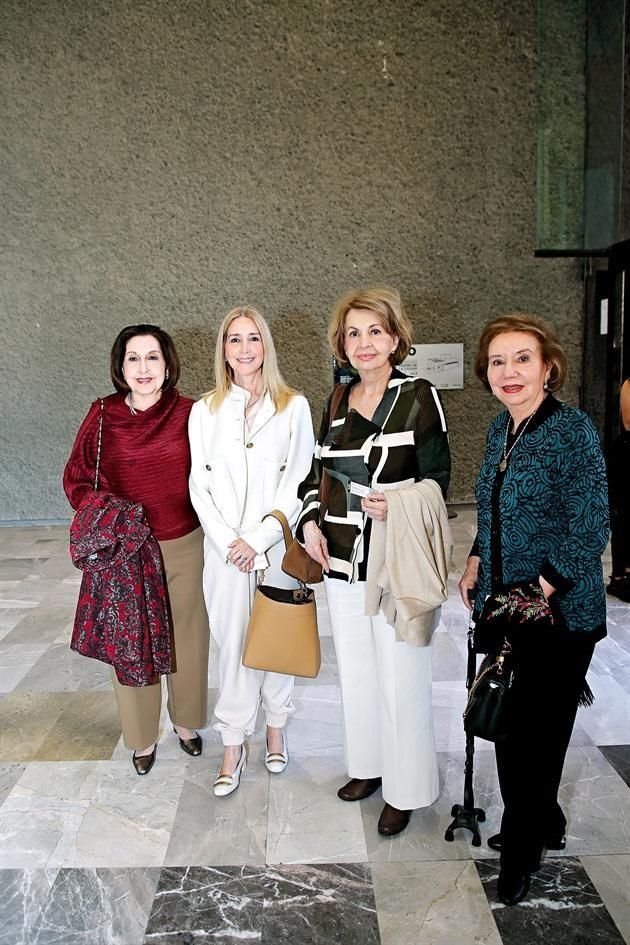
(98,447)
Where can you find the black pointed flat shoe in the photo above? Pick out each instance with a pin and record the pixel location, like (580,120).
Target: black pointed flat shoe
(512,887)
(144,763)
(192,746)
(554,843)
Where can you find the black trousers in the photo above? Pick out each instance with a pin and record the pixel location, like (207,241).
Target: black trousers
(543,702)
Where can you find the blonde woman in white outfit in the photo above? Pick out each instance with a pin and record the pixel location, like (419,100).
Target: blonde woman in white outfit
(251,441)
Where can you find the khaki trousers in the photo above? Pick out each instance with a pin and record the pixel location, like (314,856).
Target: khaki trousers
(139,707)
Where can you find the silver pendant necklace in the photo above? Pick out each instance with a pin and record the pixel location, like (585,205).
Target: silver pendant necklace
(507,452)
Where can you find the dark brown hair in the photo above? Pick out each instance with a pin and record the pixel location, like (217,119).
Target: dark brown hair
(550,348)
(166,346)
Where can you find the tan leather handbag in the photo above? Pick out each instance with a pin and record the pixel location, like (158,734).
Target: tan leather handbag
(282,632)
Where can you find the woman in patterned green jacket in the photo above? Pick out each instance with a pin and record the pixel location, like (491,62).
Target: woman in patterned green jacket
(542,519)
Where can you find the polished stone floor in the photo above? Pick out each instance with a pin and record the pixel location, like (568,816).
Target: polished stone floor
(90,854)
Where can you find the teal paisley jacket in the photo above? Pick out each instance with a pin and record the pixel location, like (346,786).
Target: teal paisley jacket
(550,514)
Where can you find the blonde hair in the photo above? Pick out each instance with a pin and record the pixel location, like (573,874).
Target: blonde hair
(384,302)
(550,348)
(273,382)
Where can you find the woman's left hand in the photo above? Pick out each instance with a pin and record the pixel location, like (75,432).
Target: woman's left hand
(241,554)
(375,506)
(547,588)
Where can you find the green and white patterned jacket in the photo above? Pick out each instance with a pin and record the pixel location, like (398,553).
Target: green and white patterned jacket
(406,441)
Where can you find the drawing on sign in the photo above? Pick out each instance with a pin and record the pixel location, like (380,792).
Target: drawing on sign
(442,364)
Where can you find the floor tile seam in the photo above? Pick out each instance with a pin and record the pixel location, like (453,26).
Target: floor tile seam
(238,866)
(164,862)
(597,856)
(468,858)
(272,864)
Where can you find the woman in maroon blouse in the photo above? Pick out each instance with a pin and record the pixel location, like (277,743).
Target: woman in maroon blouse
(145,457)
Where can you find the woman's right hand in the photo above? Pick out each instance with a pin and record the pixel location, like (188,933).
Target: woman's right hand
(316,545)
(468,580)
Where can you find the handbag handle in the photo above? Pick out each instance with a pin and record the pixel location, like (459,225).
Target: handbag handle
(286,531)
(335,400)
(98,447)
(324,484)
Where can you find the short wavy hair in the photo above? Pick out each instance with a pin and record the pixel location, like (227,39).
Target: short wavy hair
(384,302)
(167,348)
(551,349)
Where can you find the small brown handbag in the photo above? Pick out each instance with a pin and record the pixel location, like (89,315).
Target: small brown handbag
(282,632)
(298,564)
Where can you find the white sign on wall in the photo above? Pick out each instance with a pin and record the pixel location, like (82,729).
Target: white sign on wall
(442,364)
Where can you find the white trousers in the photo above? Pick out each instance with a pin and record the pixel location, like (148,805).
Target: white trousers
(229,593)
(386,701)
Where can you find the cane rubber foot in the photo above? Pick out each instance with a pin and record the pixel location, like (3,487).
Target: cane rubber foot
(468,819)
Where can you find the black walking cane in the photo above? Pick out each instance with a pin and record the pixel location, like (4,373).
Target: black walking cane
(466,815)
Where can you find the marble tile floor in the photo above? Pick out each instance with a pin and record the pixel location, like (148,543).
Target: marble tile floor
(90,854)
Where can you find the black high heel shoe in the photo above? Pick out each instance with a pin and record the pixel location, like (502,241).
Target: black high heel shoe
(144,763)
(192,746)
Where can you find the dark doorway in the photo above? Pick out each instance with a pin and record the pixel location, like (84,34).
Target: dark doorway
(618,367)
(606,351)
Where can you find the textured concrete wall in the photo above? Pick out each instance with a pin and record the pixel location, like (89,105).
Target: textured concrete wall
(164,159)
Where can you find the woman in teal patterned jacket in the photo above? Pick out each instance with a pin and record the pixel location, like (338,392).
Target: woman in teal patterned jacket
(542,517)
